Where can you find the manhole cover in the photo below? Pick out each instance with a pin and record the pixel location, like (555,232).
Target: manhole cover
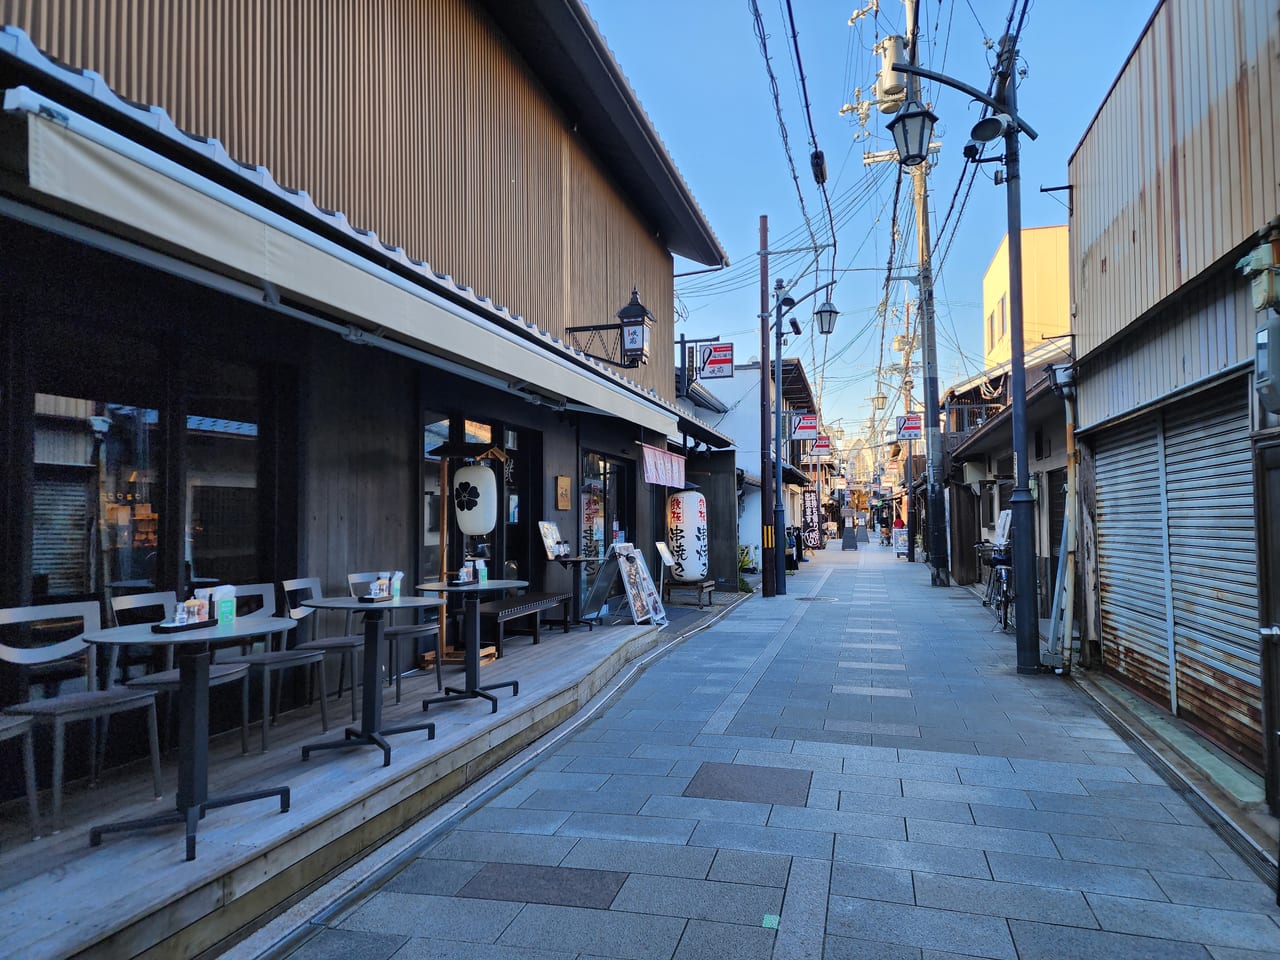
(816,599)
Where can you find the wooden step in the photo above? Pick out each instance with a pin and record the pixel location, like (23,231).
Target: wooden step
(487,655)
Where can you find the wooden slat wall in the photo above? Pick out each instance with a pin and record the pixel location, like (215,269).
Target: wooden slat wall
(412,118)
(1180,165)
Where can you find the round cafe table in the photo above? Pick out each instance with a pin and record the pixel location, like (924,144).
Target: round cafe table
(192,647)
(371,732)
(471,592)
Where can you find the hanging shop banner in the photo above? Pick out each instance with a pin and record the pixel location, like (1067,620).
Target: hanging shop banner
(715,361)
(811,517)
(663,468)
(821,447)
(804,426)
(910,426)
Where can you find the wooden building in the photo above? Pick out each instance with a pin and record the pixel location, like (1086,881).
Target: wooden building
(208,374)
(1171,184)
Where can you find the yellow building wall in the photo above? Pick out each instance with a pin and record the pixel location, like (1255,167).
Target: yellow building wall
(1046,298)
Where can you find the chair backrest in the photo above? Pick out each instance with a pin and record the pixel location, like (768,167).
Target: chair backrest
(266,594)
(86,611)
(163,601)
(359,583)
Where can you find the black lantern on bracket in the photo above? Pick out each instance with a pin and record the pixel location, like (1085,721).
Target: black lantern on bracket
(912,129)
(636,322)
(633,327)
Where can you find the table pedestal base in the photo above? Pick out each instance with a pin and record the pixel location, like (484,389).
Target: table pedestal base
(354,737)
(191,816)
(453,694)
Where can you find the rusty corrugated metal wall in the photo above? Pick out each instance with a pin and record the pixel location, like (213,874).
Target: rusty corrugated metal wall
(413,118)
(1181,164)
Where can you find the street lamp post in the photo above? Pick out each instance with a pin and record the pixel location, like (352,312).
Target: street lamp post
(826,316)
(1007,124)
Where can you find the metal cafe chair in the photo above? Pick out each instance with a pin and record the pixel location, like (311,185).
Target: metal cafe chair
(15,727)
(273,659)
(358,584)
(166,680)
(344,647)
(64,708)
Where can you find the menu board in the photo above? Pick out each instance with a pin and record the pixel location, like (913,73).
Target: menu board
(550,537)
(642,595)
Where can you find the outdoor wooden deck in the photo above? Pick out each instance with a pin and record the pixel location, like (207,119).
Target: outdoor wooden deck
(136,894)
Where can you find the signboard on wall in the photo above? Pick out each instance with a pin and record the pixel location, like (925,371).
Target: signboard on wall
(804,426)
(811,517)
(715,361)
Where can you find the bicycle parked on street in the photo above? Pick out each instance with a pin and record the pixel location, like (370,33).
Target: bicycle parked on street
(999,593)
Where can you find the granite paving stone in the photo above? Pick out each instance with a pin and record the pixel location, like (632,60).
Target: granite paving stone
(701,899)
(1151,856)
(844,948)
(637,764)
(867,882)
(1106,807)
(431,949)
(1075,875)
(703,940)
(609,826)
(1228,928)
(607,933)
(835,821)
(330,944)
(514,820)
(1245,895)
(636,783)
(659,859)
(751,783)
(1045,941)
(499,847)
(964,793)
(852,802)
(747,866)
(698,808)
(440,877)
(1001,899)
(921,927)
(530,883)
(1045,821)
(935,858)
(586,801)
(451,918)
(735,836)
(981,838)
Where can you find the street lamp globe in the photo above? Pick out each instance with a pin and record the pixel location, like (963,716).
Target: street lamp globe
(826,316)
(912,130)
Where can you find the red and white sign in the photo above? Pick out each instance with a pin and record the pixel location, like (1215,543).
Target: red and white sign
(804,426)
(821,447)
(663,468)
(910,426)
(715,361)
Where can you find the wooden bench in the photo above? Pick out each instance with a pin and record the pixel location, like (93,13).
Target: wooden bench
(704,587)
(501,612)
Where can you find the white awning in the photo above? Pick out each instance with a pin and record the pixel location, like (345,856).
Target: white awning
(91,169)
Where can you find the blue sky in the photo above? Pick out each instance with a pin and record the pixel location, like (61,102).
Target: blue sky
(698,70)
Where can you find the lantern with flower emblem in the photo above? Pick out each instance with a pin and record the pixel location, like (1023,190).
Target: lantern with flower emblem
(475,499)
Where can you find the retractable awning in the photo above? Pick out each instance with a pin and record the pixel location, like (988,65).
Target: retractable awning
(80,169)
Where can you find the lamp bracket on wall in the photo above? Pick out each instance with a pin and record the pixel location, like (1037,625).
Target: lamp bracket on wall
(612,345)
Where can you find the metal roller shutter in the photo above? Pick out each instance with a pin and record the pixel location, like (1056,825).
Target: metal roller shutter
(60,542)
(1213,561)
(1131,555)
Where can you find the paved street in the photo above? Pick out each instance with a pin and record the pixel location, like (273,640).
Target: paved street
(854,770)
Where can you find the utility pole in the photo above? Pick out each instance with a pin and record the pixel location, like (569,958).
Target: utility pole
(940,575)
(768,558)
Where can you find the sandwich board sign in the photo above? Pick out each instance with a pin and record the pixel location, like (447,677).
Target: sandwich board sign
(910,426)
(715,361)
(804,426)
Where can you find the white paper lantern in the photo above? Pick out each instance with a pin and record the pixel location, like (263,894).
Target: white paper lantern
(687,536)
(475,499)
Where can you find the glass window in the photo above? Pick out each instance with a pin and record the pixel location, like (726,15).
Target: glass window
(606,504)
(476,432)
(221,530)
(435,432)
(95,511)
